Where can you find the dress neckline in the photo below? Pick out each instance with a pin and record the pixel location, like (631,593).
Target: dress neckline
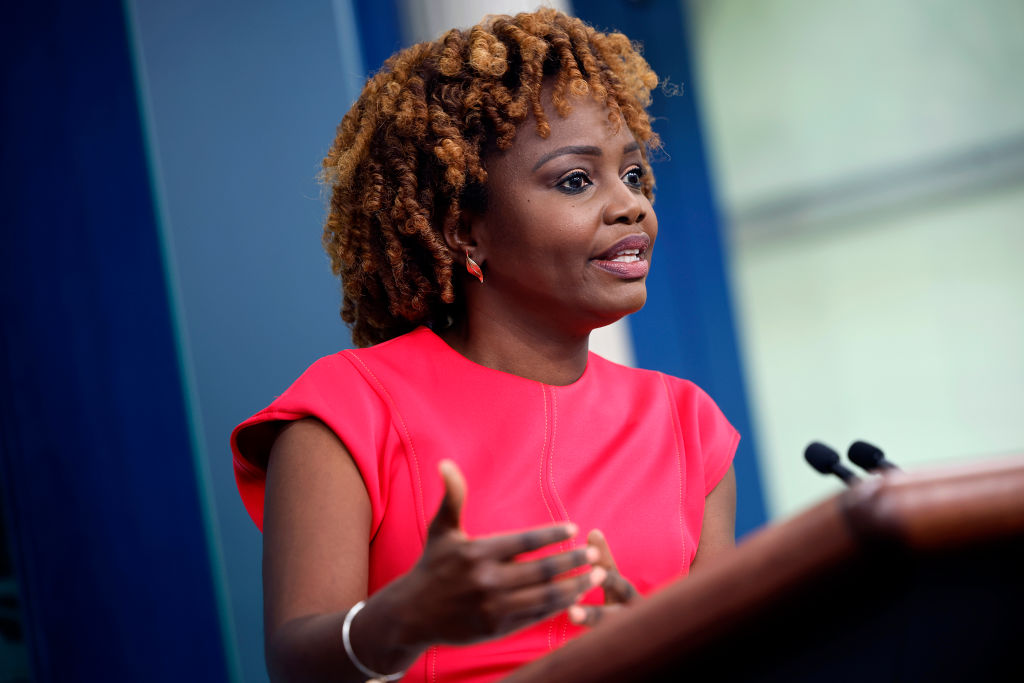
(436,340)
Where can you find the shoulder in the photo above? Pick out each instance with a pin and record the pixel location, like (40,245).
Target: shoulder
(341,372)
(401,353)
(339,390)
(682,390)
(696,410)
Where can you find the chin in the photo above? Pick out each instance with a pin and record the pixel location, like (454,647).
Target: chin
(634,303)
(616,313)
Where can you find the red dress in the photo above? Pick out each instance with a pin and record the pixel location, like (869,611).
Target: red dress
(631,452)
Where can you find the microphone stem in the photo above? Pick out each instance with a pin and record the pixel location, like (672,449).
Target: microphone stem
(848,477)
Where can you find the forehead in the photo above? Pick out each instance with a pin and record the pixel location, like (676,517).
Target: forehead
(587,124)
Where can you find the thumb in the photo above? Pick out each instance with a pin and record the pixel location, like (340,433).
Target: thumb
(605,559)
(449,512)
(617,588)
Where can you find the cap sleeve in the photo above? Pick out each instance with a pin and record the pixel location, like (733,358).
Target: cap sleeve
(336,393)
(708,429)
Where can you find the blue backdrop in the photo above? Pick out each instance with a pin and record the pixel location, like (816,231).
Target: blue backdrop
(99,483)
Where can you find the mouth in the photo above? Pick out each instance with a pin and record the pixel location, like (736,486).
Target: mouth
(626,258)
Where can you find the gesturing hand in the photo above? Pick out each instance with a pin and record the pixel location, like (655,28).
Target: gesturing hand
(618,591)
(464,590)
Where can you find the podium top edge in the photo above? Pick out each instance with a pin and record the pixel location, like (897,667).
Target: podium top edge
(940,506)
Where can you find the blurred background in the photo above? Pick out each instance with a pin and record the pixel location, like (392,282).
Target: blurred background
(841,201)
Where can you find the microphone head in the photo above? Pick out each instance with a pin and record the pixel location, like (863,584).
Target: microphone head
(866,456)
(821,457)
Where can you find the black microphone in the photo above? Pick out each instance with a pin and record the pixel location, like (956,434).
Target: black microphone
(868,457)
(826,461)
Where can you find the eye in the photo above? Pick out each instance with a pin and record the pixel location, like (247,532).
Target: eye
(574,182)
(633,176)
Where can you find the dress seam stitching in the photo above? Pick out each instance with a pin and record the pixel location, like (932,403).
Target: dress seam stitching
(407,438)
(554,489)
(676,434)
(544,455)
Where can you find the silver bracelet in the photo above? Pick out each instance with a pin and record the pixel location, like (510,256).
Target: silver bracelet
(345,628)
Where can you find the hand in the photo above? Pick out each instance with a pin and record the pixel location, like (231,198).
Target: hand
(465,590)
(618,591)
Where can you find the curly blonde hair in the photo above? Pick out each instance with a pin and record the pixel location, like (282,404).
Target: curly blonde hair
(409,155)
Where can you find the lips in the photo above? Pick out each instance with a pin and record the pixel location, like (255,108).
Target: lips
(626,258)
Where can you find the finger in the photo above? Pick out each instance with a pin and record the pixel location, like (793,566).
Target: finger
(596,538)
(538,602)
(591,615)
(507,546)
(617,589)
(449,512)
(522,574)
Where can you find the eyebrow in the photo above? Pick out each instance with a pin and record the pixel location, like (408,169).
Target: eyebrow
(583,150)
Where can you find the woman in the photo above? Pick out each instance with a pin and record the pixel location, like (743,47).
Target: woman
(491,206)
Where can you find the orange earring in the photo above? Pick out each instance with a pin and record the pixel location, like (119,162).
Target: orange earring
(473,268)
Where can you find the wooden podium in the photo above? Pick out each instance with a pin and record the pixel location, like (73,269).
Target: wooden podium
(904,577)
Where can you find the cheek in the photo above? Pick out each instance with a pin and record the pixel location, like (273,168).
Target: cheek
(651,225)
(568,234)
(524,229)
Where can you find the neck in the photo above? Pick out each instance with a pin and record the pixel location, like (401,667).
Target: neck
(525,350)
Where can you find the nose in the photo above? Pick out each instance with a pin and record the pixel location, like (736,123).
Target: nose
(625,205)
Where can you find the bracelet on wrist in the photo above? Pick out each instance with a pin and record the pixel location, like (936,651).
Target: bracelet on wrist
(346,640)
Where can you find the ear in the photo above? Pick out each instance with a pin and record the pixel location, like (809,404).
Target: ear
(465,234)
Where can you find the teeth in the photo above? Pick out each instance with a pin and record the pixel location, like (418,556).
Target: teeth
(627,256)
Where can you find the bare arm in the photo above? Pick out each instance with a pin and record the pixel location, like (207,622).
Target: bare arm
(315,546)
(718,531)
(317,520)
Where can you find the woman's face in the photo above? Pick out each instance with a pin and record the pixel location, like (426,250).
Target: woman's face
(567,235)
